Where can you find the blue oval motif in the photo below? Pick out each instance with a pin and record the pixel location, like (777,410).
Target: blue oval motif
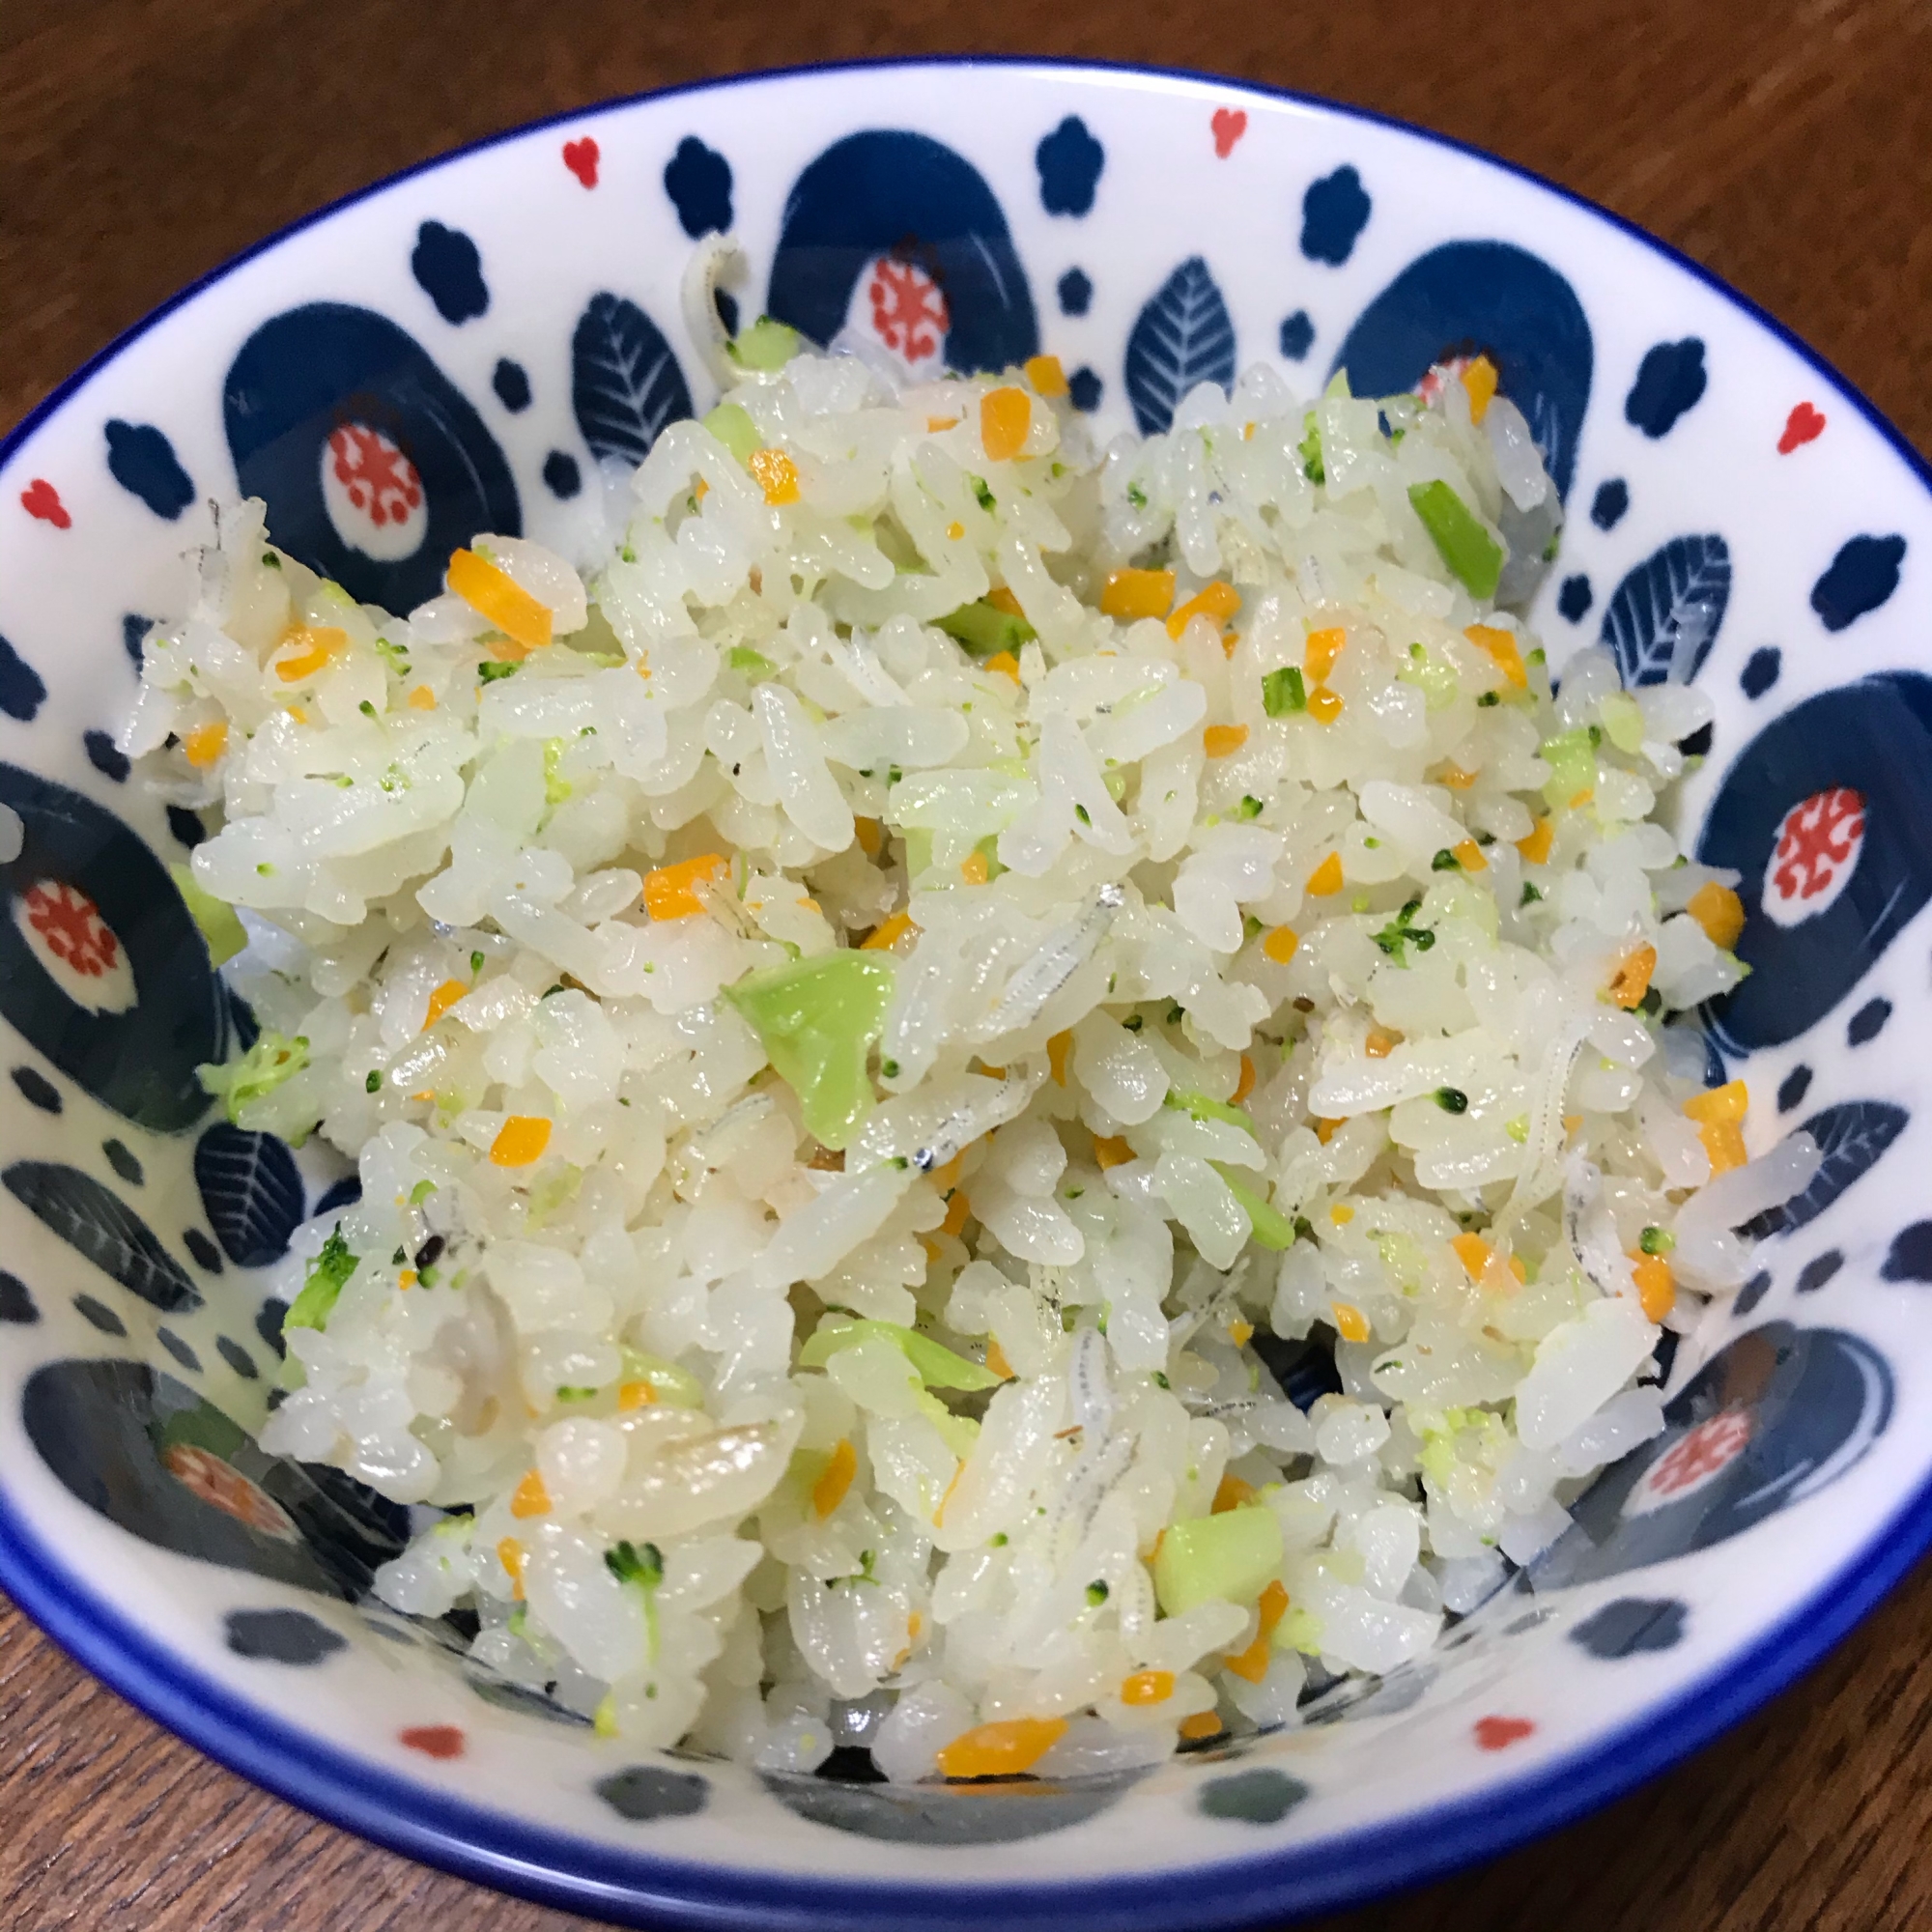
(1863,575)
(447,265)
(1334,211)
(1069,161)
(698,181)
(143,462)
(1670,380)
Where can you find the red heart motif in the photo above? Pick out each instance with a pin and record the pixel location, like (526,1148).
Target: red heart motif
(443,1741)
(580,158)
(1496,1734)
(1230,124)
(1802,425)
(39,498)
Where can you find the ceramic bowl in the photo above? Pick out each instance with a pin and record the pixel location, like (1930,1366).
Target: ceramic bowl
(458,350)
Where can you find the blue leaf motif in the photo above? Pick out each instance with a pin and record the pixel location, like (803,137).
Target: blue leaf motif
(1851,1136)
(251,1192)
(97,1222)
(1183,336)
(625,382)
(1664,616)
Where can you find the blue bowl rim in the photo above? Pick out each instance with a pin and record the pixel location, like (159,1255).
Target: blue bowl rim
(578,1874)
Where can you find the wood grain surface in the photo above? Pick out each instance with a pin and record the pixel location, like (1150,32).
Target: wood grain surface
(1788,148)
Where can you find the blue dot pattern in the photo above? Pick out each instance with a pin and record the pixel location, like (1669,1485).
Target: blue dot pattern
(1669,379)
(1863,575)
(21,690)
(186,826)
(1297,335)
(132,630)
(1793,1089)
(104,757)
(1762,672)
(445,262)
(1611,501)
(698,181)
(1069,161)
(1911,1255)
(1820,1270)
(1334,211)
(1075,291)
(1084,386)
(1752,1293)
(1629,1625)
(561,475)
(1868,1022)
(143,462)
(1574,599)
(512,384)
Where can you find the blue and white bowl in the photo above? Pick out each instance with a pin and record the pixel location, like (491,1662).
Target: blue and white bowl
(458,350)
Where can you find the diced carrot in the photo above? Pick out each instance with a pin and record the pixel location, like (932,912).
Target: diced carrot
(1719,912)
(1232,1493)
(939,1514)
(829,1492)
(871,835)
(1240,1333)
(1048,376)
(996,1360)
(1002,599)
(1473,1252)
(957,1209)
(1582,798)
(205,744)
(1536,847)
(531,1498)
(1325,706)
(1005,663)
(1129,594)
(1217,600)
(1246,1084)
(1057,1049)
(1340,1214)
(1480,380)
(1724,1143)
(1253,1662)
(1456,777)
(422,699)
(671,891)
(1326,1130)
(1502,646)
(1146,1686)
(1325,881)
(1469,856)
(1112,1151)
(1201,1724)
(510,1554)
(298,714)
(1003,1749)
(496,595)
(1281,945)
(955,530)
(1630,982)
(1222,741)
(634,1394)
(308,649)
(1379,1044)
(1656,1284)
(1006,415)
(776,475)
(937,425)
(1349,1321)
(1323,647)
(520,1139)
(890,934)
(406,1280)
(441,1000)
(1725,1106)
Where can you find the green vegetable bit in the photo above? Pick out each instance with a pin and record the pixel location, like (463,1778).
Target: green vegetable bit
(1452,1100)
(1203,1109)
(1400,934)
(323,1283)
(1474,558)
(1445,861)
(818,1020)
(935,1365)
(1269,1226)
(1233,1555)
(1572,759)
(639,1568)
(489,673)
(273,1059)
(1097,1593)
(374,1083)
(755,665)
(732,425)
(1284,691)
(1657,1241)
(986,631)
(215,919)
(1250,806)
(766,346)
(1310,450)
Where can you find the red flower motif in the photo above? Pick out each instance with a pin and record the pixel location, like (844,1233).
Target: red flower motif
(440,1741)
(381,482)
(1708,1448)
(41,500)
(1495,1734)
(223,1486)
(1819,835)
(1229,124)
(72,929)
(910,313)
(580,158)
(1803,424)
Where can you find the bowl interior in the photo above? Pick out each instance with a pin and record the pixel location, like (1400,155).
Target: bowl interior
(461,350)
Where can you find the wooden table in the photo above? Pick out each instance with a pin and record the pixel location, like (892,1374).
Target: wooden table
(1787,146)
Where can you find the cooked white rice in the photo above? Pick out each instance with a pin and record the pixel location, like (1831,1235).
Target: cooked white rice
(863,1352)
